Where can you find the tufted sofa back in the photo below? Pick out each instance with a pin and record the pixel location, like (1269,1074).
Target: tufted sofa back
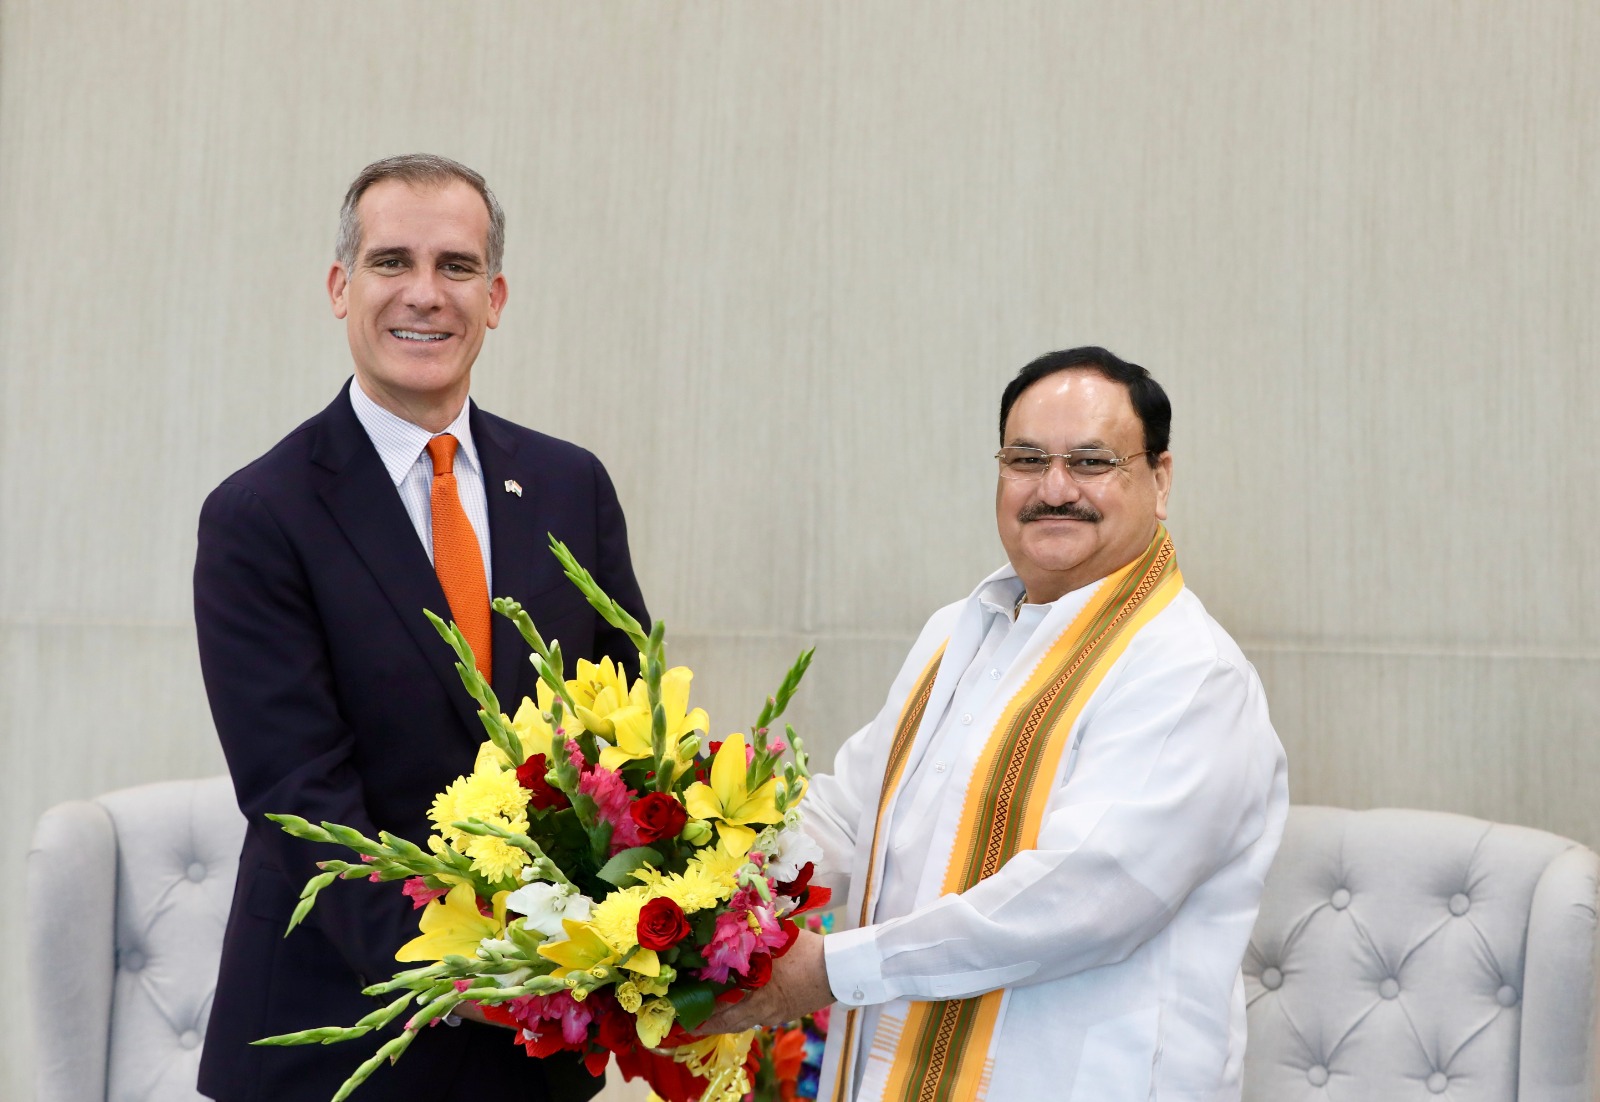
(1417,955)
(128,898)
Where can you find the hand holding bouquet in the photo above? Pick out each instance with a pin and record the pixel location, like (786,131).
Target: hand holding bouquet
(603,878)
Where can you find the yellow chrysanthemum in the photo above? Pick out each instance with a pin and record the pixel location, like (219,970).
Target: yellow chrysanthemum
(491,794)
(707,881)
(617,917)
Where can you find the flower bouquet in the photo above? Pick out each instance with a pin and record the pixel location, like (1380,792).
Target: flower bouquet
(602,879)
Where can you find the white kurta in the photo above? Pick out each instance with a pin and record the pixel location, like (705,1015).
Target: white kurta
(1120,937)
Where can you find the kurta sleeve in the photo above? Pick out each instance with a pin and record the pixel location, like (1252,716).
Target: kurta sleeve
(1174,778)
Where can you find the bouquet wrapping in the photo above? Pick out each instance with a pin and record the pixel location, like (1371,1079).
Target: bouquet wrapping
(604,876)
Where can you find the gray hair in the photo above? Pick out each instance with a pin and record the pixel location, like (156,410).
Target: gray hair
(417,170)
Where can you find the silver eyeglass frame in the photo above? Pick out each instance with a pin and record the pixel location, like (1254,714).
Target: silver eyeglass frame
(1115,463)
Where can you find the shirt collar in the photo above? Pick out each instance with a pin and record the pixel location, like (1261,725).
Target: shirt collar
(998,593)
(400,443)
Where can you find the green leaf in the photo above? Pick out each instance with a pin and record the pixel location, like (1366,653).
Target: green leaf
(694,1001)
(620,869)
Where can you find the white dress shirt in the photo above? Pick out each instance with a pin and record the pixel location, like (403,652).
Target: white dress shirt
(403,447)
(1118,939)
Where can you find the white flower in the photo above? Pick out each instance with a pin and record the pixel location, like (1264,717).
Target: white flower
(545,905)
(791,850)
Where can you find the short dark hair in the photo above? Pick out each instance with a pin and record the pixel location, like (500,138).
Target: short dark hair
(418,170)
(1149,400)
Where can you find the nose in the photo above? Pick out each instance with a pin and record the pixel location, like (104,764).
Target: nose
(423,290)
(1057,487)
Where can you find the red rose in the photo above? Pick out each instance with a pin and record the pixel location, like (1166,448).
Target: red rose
(661,924)
(759,972)
(541,794)
(658,816)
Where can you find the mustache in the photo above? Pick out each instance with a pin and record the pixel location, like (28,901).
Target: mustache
(1072,510)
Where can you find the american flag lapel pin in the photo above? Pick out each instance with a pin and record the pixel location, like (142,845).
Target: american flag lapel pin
(513,487)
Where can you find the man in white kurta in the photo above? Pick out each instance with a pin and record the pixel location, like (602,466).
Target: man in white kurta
(1115,941)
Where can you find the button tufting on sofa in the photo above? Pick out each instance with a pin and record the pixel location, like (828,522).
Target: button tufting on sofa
(1492,926)
(133,889)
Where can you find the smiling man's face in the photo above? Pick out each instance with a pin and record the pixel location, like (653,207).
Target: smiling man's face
(1059,534)
(419,298)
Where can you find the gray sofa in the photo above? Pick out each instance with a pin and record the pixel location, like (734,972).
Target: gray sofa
(1399,956)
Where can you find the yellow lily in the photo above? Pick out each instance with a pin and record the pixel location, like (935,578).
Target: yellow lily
(453,926)
(529,722)
(582,949)
(599,691)
(728,798)
(631,725)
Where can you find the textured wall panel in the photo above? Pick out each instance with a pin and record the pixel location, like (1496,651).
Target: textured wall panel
(775,262)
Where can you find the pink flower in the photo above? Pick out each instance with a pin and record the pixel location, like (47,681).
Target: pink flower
(736,938)
(532,1011)
(612,798)
(416,889)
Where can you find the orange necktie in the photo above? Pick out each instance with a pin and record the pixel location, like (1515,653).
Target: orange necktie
(457,558)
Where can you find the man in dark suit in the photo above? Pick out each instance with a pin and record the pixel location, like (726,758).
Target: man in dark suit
(334,698)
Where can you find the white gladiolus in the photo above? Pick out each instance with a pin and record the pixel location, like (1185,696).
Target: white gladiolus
(792,849)
(545,905)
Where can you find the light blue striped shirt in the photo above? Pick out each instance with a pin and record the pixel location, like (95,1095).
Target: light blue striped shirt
(403,447)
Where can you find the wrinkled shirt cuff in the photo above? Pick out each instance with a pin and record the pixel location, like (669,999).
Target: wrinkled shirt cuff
(855,967)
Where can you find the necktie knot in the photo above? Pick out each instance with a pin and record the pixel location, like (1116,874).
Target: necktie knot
(442,450)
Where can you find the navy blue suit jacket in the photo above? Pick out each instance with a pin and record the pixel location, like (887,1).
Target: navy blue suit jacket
(335,700)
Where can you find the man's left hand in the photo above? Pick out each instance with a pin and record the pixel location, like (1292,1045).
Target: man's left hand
(798,986)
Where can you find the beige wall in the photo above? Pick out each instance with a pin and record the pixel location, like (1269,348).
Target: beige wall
(774,261)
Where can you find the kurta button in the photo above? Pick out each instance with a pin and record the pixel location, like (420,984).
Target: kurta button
(994,675)
(938,767)
(857,995)
(196,872)
(1389,988)
(967,718)
(188,1038)
(1506,996)
(1317,1076)
(1271,979)
(1340,899)
(1459,904)
(1437,1082)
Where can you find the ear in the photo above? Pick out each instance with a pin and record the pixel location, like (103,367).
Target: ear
(497,299)
(338,285)
(1163,473)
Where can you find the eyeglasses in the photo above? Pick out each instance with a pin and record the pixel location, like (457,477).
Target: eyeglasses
(1083,464)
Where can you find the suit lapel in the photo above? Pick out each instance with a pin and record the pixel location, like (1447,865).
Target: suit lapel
(510,543)
(367,508)
(519,525)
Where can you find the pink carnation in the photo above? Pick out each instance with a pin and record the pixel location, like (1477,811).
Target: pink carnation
(734,941)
